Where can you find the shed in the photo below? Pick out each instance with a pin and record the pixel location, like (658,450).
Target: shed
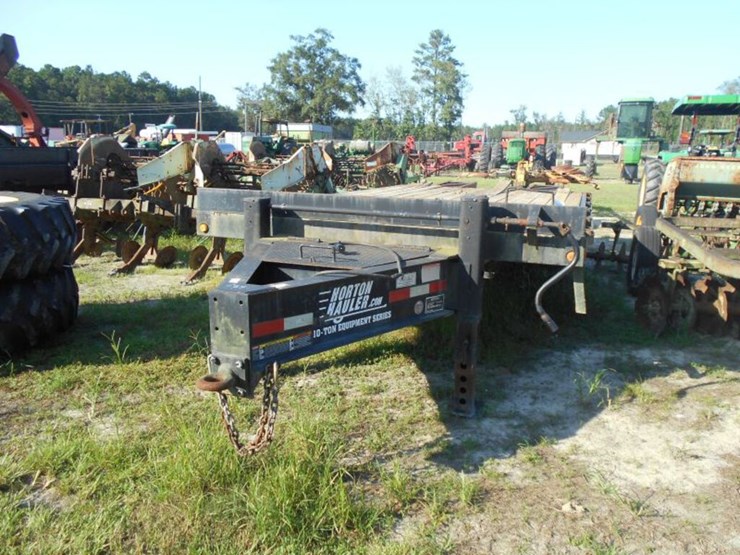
(576,145)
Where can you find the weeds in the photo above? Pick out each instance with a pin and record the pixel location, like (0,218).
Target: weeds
(199,344)
(469,489)
(119,354)
(535,453)
(590,387)
(637,391)
(400,485)
(638,507)
(594,545)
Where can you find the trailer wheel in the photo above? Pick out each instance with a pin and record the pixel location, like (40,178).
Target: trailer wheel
(485,159)
(36,308)
(551,155)
(497,157)
(652,177)
(37,233)
(643,259)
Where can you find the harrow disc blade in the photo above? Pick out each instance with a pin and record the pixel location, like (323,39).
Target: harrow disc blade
(197,256)
(652,307)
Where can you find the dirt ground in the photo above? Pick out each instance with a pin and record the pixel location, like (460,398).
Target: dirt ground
(612,466)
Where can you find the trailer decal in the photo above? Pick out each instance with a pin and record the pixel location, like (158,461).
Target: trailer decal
(282,345)
(431,272)
(349,300)
(270,327)
(417,291)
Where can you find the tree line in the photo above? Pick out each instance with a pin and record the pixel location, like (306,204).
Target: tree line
(116,98)
(310,81)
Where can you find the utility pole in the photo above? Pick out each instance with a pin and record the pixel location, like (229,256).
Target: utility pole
(200,107)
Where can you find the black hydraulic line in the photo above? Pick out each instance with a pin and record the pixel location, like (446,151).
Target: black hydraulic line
(544,316)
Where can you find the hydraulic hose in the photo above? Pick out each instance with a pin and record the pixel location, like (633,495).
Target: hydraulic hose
(544,316)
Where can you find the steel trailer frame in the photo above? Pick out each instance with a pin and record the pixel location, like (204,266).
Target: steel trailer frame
(321,271)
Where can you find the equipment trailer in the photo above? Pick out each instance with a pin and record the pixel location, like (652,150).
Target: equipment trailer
(321,271)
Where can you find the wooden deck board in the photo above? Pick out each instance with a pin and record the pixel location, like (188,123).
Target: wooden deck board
(497,194)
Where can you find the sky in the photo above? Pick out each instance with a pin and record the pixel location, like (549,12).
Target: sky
(550,56)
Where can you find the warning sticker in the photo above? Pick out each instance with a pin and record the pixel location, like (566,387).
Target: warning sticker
(279,346)
(434,304)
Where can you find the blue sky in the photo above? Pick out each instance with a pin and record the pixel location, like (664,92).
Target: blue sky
(552,56)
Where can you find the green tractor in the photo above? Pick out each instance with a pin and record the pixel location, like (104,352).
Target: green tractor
(634,129)
(706,142)
(684,264)
(274,141)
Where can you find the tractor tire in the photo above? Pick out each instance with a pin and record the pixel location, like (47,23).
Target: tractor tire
(551,155)
(539,161)
(497,157)
(37,234)
(643,259)
(484,160)
(652,178)
(36,308)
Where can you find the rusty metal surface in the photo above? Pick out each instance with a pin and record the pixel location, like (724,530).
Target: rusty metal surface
(386,155)
(713,259)
(699,179)
(305,166)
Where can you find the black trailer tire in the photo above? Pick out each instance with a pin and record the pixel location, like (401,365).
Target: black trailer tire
(551,155)
(37,234)
(643,259)
(484,159)
(497,157)
(36,308)
(652,177)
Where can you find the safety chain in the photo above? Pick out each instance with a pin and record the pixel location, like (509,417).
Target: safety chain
(266,427)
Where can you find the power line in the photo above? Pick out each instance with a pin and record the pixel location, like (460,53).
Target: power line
(110,113)
(74,103)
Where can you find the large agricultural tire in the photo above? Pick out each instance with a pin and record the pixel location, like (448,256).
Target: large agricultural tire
(551,155)
(484,159)
(497,157)
(643,259)
(652,178)
(36,308)
(37,234)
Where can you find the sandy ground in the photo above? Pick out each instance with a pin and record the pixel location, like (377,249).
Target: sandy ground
(646,464)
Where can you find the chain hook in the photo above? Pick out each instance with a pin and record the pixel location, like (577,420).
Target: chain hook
(266,426)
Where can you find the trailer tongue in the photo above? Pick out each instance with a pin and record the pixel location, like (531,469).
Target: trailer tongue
(322,271)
